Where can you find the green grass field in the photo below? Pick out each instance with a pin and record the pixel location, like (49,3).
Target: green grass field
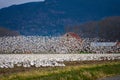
(71,72)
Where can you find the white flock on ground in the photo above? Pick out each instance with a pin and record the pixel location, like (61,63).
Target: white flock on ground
(44,60)
(40,44)
(42,51)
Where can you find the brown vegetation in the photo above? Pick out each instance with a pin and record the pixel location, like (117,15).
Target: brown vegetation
(7,32)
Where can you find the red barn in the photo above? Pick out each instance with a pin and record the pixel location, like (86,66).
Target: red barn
(118,44)
(72,35)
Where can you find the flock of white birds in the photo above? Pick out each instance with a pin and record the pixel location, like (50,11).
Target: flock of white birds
(40,44)
(36,44)
(44,60)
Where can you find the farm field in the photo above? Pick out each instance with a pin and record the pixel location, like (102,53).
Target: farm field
(82,70)
(58,66)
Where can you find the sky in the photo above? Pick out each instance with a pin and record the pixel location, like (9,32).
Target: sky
(6,3)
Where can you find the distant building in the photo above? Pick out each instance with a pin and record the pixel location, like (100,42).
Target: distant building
(71,41)
(71,35)
(118,44)
(103,44)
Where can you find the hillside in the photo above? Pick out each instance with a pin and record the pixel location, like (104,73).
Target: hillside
(52,16)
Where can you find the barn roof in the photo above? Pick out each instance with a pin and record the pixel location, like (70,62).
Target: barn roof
(118,44)
(76,36)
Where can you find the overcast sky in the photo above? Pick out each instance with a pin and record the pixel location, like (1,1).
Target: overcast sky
(6,3)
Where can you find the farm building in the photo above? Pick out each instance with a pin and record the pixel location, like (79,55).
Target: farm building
(117,50)
(105,47)
(71,41)
(103,44)
(71,35)
(118,44)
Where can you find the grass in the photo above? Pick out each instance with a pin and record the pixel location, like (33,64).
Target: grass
(77,72)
